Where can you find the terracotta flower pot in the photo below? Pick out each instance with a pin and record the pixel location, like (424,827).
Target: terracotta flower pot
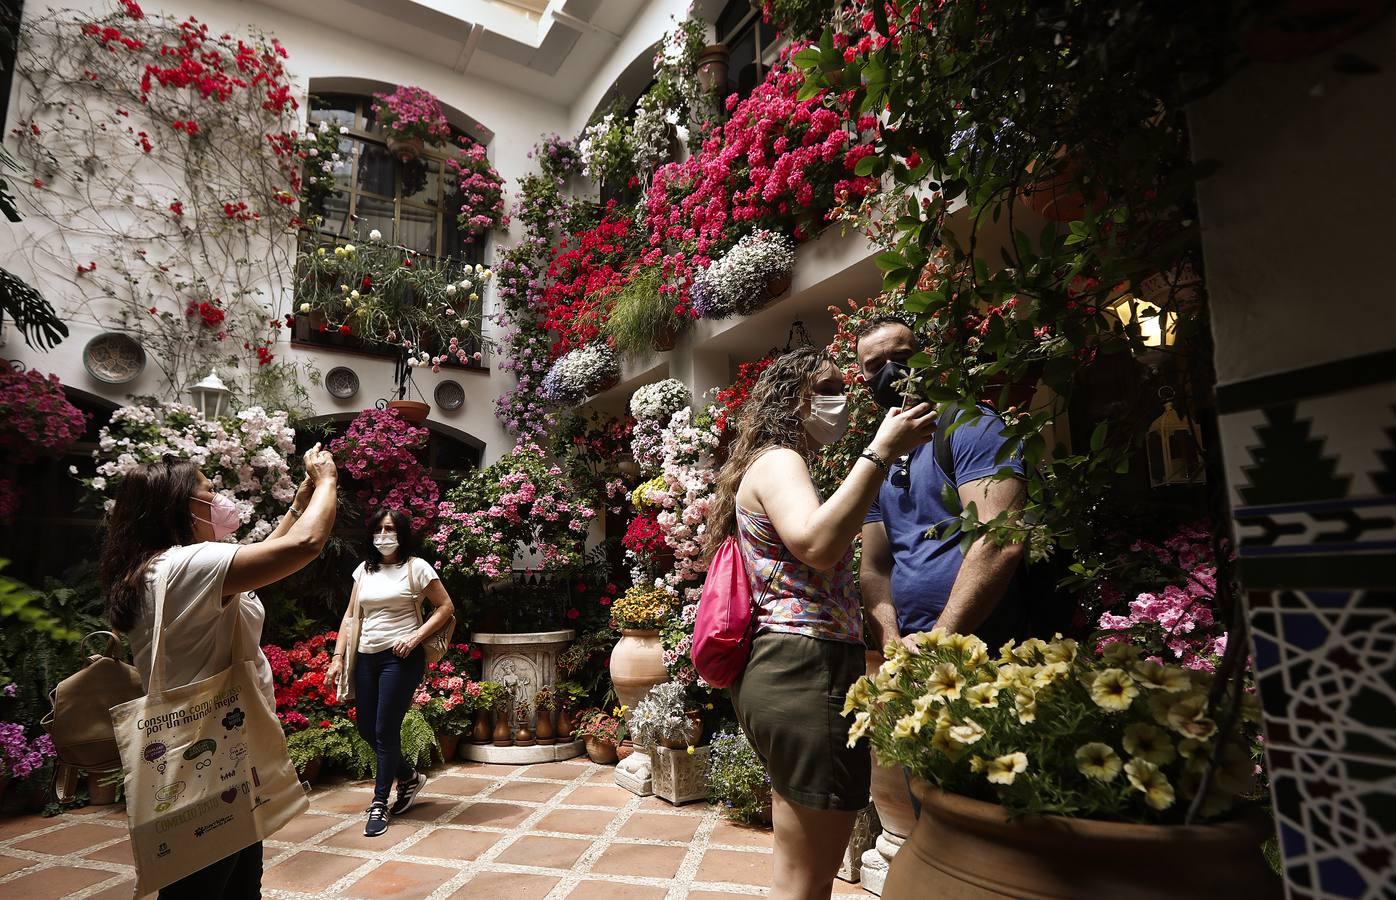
(625,748)
(311,772)
(601,753)
(693,735)
(406,149)
(480,734)
(963,849)
(711,67)
(565,726)
(543,731)
(1056,196)
(777,286)
(637,664)
(523,736)
(503,734)
(665,340)
(412,410)
(100,794)
(449,743)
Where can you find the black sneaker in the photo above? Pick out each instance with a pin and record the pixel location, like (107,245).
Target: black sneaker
(377,820)
(407,792)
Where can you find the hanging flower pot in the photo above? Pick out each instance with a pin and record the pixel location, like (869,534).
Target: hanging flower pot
(406,149)
(665,340)
(711,68)
(414,411)
(1056,196)
(777,286)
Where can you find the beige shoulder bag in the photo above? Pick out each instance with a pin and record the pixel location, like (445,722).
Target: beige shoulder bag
(355,617)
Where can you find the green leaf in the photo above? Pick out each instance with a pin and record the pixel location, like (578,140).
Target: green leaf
(809,90)
(869,165)
(919,360)
(1098,437)
(889,260)
(807,58)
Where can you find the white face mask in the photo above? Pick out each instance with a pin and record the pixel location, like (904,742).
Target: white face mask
(828,418)
(385,543)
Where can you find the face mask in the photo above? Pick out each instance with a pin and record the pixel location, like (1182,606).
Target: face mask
(223,516)
(828,418)
(883,385)
(385,543)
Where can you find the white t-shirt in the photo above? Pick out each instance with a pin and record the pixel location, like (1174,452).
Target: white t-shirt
(391,599)
(198,634)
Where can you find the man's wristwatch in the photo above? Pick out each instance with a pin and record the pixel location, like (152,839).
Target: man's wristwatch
(873,457)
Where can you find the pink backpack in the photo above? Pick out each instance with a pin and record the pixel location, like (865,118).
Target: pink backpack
(722,633)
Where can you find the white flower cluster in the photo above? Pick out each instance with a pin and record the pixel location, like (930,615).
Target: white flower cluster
(649,135)
(579,373)
(659,400)
(737,282)
(690,473)
(244,457)
(602,147)
(661,715)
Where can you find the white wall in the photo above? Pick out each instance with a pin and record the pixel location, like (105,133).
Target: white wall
(316,52)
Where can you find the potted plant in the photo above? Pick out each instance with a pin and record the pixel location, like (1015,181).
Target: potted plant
(523,734)
(485,699)
(545,703)
(645,314)
(756,269)
(21,757)
(480,190)
(503,735)
(737,780)
(666,728)
(379,453)
(310,747)
(580,373)
(1057,772)
(637,662)
(411,117)
(711,68)
(603,734)
(569,694)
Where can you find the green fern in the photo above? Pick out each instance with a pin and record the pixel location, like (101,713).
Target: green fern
(418,739)
(18,601)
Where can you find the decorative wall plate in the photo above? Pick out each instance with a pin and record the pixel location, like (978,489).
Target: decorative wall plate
(342,382)
(449,395)
(113,358)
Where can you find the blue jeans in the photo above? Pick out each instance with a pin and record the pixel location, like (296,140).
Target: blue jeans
(383,687)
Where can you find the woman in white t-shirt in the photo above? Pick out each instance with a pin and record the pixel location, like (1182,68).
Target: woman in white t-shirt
(389,661)
(168,523)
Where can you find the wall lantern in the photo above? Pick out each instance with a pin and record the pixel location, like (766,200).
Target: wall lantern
(1157,328)
(1174,446)
(211,396)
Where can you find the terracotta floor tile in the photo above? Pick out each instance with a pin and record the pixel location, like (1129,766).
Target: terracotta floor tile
(303,828)
(120,891)
(735,867)
(610,890)
(531,791)
(71,839)
(55,882)
(10,864)
(494,815)
(453,843)
(493,885)
(457,785)
(599,795)
(486,769)
(657,827)
(712,895)
(645,860)
(606,775)
(352,838)
(575,821)
(343,801)
(734,835)
(549,852)
(309,871)
(116,853)
(400,879)
(655,804)
(427,809)
(844,888)
(562,770)
(14,827)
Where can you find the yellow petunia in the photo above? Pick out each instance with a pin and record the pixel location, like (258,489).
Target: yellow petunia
(1030,650)
(1157,677)
(982,696)
(967,732)
(1147,779)
(972,650)
(858,695)
(1060,650)
(942,742)
(1113,690)
(1005,769)
(1006,652)
(1188,717)
(1149,742)
(1050,674)
(1120,654)
(860,727)
(945,681)
(1098,761)
(1025,704)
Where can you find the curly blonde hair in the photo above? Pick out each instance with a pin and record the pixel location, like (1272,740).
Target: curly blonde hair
(771,417)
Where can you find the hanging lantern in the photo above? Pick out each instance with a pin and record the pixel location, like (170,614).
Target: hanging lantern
(1174,446)
(211,396)
(1157,328)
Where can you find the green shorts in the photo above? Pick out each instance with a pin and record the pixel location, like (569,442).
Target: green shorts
(789,702)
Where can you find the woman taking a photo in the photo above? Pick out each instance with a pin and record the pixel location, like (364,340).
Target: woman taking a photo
(808,644)
(168,523)
(388,661)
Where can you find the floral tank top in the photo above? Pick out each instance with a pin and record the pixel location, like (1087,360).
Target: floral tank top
(799,599)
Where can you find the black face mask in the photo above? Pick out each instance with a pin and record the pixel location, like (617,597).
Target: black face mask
(883,385)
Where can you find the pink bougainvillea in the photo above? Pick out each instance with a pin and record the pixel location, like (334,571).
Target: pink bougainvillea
(379,453)
(480,190)
(35,416)
(410,112)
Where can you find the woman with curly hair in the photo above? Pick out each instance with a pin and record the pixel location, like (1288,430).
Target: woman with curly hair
(808,644)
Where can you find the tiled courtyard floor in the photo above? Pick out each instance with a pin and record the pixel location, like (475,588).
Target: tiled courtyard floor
(479,831)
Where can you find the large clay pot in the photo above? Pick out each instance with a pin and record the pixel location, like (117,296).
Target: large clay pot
(600,752)
(965,849)
(480,734)
(411,410)
(624,749)
(503,734)
(449,743)
(637,664)
(565,725)
(311,772)
(406,149)
(711,68)
(543,729)
(1057,196)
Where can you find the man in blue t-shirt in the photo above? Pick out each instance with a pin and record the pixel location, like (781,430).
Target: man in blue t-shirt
(913,582)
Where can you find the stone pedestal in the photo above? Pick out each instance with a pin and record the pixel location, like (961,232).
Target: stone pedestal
(634,773)
(865,832)
(680,776)
(523,663)
(877,861)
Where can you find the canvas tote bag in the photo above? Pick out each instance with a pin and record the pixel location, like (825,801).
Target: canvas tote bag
(207,773)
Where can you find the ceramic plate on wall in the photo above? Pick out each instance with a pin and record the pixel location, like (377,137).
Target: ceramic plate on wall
(342,382)
(113,358)
(449,395)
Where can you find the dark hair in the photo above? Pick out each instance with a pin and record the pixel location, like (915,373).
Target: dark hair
(876,322)
(151,515)
(407,546)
